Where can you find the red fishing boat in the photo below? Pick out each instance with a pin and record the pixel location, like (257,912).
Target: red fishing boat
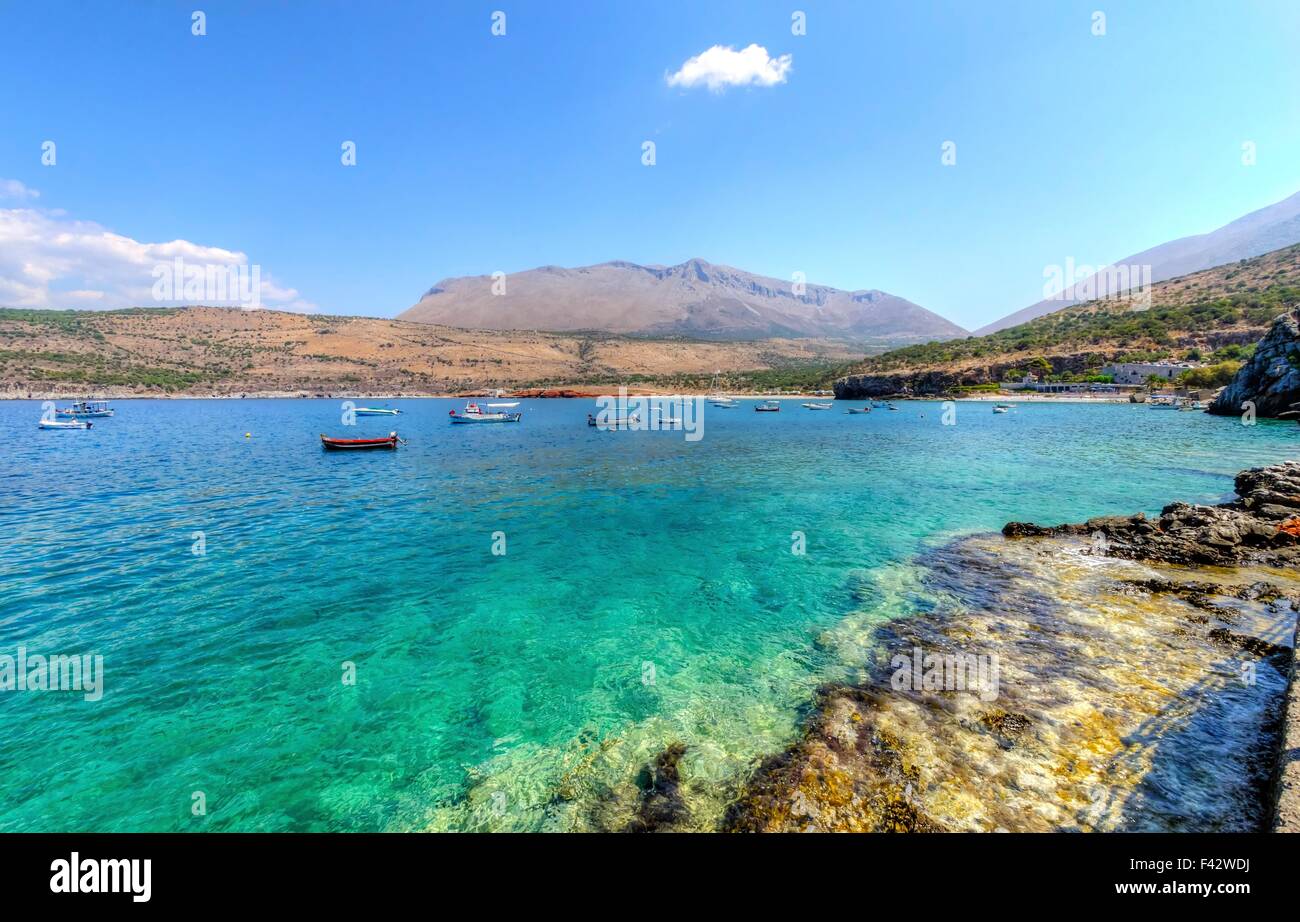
(356,444)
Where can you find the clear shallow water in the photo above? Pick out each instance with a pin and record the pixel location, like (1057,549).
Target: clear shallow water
(492,691)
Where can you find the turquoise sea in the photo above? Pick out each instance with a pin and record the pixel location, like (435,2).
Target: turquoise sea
(648,594)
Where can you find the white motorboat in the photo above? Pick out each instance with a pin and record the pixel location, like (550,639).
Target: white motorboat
(65,424)
(768,406)
(473,413)
(858,410)
(1001,409)
(817,406)
(375,411)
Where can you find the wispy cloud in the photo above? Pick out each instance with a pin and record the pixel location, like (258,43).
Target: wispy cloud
(13,189)
(50,260)
(721,67)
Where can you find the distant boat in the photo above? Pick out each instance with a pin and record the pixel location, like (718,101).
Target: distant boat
(717,398)
(768,406)
(375,411)
(1162,402)
(858,410)
(1005,406)
(890,406)
(617,423)
(817,406)
(1001,409)
(86,408)
(474,414)
(358,444)
(64,424)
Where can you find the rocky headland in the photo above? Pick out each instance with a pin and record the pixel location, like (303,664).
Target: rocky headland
(1270,379)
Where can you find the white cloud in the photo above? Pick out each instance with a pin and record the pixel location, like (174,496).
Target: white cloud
(50,260)
(721,67)
(12,188)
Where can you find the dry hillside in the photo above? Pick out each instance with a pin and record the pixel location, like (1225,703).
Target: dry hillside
(203,350)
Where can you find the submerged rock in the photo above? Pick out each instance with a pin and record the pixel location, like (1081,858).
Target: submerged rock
(1127,694)
(661,804)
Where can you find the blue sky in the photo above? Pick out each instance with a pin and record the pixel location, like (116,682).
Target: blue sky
(478,153)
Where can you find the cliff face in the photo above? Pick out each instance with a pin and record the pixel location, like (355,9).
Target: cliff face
(1271,379)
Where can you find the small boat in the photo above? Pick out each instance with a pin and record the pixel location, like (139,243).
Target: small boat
(890,406)
(473,413)
(1162,402)
(1001,409)
(375,411)
(358,444)
(768,406)
(817,406)
(86,408)
(717,398)
(622,422)
(858,410)
(64,424)
(1005,406)
(1189,405)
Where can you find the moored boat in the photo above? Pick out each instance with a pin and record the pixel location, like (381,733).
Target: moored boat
(473,413)
(1001,409)
(390,442)
(64,424)
(83,409)
(768,406)
(817,406)
(375,411)
(858,410)
(618,422)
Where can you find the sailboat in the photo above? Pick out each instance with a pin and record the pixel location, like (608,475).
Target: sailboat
(718,399)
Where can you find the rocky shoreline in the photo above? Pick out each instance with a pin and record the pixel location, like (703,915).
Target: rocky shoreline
(1145,666)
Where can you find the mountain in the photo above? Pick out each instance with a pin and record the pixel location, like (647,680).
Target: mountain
(1217,315)
(696,299)
(1257,233)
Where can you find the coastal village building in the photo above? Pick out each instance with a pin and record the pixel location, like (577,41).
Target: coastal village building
(1138,372)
